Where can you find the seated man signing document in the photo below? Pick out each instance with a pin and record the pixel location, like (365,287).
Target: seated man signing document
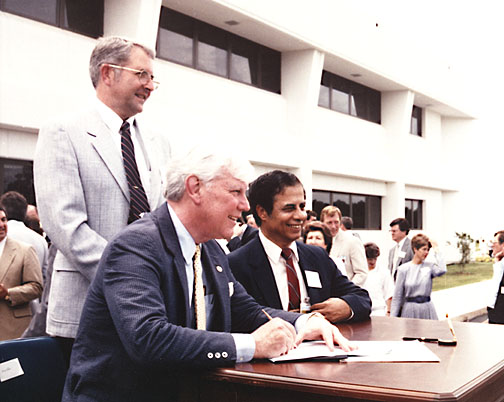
(164,302)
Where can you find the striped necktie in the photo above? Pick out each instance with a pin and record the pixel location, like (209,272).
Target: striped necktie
(138,198)
(292,279)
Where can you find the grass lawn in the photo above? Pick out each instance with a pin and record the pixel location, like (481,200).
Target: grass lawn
(458,275)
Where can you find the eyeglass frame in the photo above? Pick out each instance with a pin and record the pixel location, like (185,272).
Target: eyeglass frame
(138,73)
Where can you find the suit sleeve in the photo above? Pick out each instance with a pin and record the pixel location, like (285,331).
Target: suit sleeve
(359,262)
(355,296)
(399,294)
(60,200)
(31,285)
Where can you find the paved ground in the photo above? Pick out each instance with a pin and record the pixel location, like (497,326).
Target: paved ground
(462,303)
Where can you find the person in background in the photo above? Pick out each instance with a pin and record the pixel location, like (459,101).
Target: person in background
(413,286)
(347,250)
(347,225)
(318,234)
(379,283)
(402,251)
(20,282)
(495,307)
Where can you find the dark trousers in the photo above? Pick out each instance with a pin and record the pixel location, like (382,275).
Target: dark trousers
(66,347)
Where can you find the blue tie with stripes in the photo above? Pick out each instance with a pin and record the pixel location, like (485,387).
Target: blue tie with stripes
(138,198)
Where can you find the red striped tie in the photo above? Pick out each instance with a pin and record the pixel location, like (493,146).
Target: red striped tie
(138,199)
(292,279)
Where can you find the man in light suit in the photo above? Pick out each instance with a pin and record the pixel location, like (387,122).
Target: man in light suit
(20,282)
(402,252)
(346,249)
(83,191)
(278,202)
(137,339)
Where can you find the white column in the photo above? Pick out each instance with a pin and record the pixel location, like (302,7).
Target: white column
(133,19)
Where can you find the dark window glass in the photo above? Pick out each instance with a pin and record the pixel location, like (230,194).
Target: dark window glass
(416,121)
(84,17)
(365,210)
(212,50)
(191,42)
(342,201)
(413,213)
(175,38)
(17,175)
(345,96)
(269,70)
(39,10)
(244,61)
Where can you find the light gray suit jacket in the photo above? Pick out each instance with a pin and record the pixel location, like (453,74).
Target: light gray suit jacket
(408,256)
(83,200)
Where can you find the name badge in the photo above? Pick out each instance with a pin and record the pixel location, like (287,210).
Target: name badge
(401,254)
(10,369)
(313,279)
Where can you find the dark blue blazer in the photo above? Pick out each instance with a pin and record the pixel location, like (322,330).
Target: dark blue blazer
(250,265)
(135,341)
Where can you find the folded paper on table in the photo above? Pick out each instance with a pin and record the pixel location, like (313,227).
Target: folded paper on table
(367,351)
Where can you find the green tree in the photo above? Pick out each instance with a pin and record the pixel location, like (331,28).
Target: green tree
(464,241)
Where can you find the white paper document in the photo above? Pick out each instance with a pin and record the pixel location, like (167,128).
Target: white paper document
(367,351)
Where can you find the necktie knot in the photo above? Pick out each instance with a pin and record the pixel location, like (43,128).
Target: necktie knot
(286,253)
(125,128)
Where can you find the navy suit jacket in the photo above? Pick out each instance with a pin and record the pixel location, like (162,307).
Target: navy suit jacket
(251,267)
(135,340)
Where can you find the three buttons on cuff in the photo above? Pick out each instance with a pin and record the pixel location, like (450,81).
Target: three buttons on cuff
(217,355)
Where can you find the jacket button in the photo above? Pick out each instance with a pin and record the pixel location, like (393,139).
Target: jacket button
(210,355)
(224,354)
(217,355)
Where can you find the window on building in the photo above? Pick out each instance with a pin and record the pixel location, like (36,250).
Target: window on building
(345,96)
(365,210)
(414,214)
(83,17)
(416,121)
(193,43)
(17,175)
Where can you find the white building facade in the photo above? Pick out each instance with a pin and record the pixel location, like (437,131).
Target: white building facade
(365,119)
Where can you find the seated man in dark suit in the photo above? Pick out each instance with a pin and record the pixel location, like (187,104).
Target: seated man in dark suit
(263,266)
(164,302)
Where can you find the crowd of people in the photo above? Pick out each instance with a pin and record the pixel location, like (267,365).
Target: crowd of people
(149,277)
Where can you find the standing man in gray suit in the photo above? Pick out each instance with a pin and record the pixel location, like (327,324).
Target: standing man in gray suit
(402,251)
(95,172)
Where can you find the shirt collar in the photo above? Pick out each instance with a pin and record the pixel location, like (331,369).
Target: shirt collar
(272,250)
(401,243)
(111,118)
(187,243)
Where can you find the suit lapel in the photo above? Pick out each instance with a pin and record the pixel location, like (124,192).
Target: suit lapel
(102,141)
(7,258)
(263,274)
(169,236)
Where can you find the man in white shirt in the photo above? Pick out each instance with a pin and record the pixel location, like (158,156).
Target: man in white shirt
(346,248)
(402,251)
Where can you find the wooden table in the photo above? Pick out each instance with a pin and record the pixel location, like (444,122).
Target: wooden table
(471,371)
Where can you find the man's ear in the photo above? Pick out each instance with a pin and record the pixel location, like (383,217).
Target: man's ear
(261,212)
(107,74)
(193,187)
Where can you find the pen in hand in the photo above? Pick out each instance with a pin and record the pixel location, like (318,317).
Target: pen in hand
(266,314)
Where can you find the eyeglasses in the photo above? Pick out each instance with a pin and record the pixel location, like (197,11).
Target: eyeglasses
(142,75)
(441,342)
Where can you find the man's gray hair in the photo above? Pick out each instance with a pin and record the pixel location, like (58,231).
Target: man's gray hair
(113,50)
(207,166)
